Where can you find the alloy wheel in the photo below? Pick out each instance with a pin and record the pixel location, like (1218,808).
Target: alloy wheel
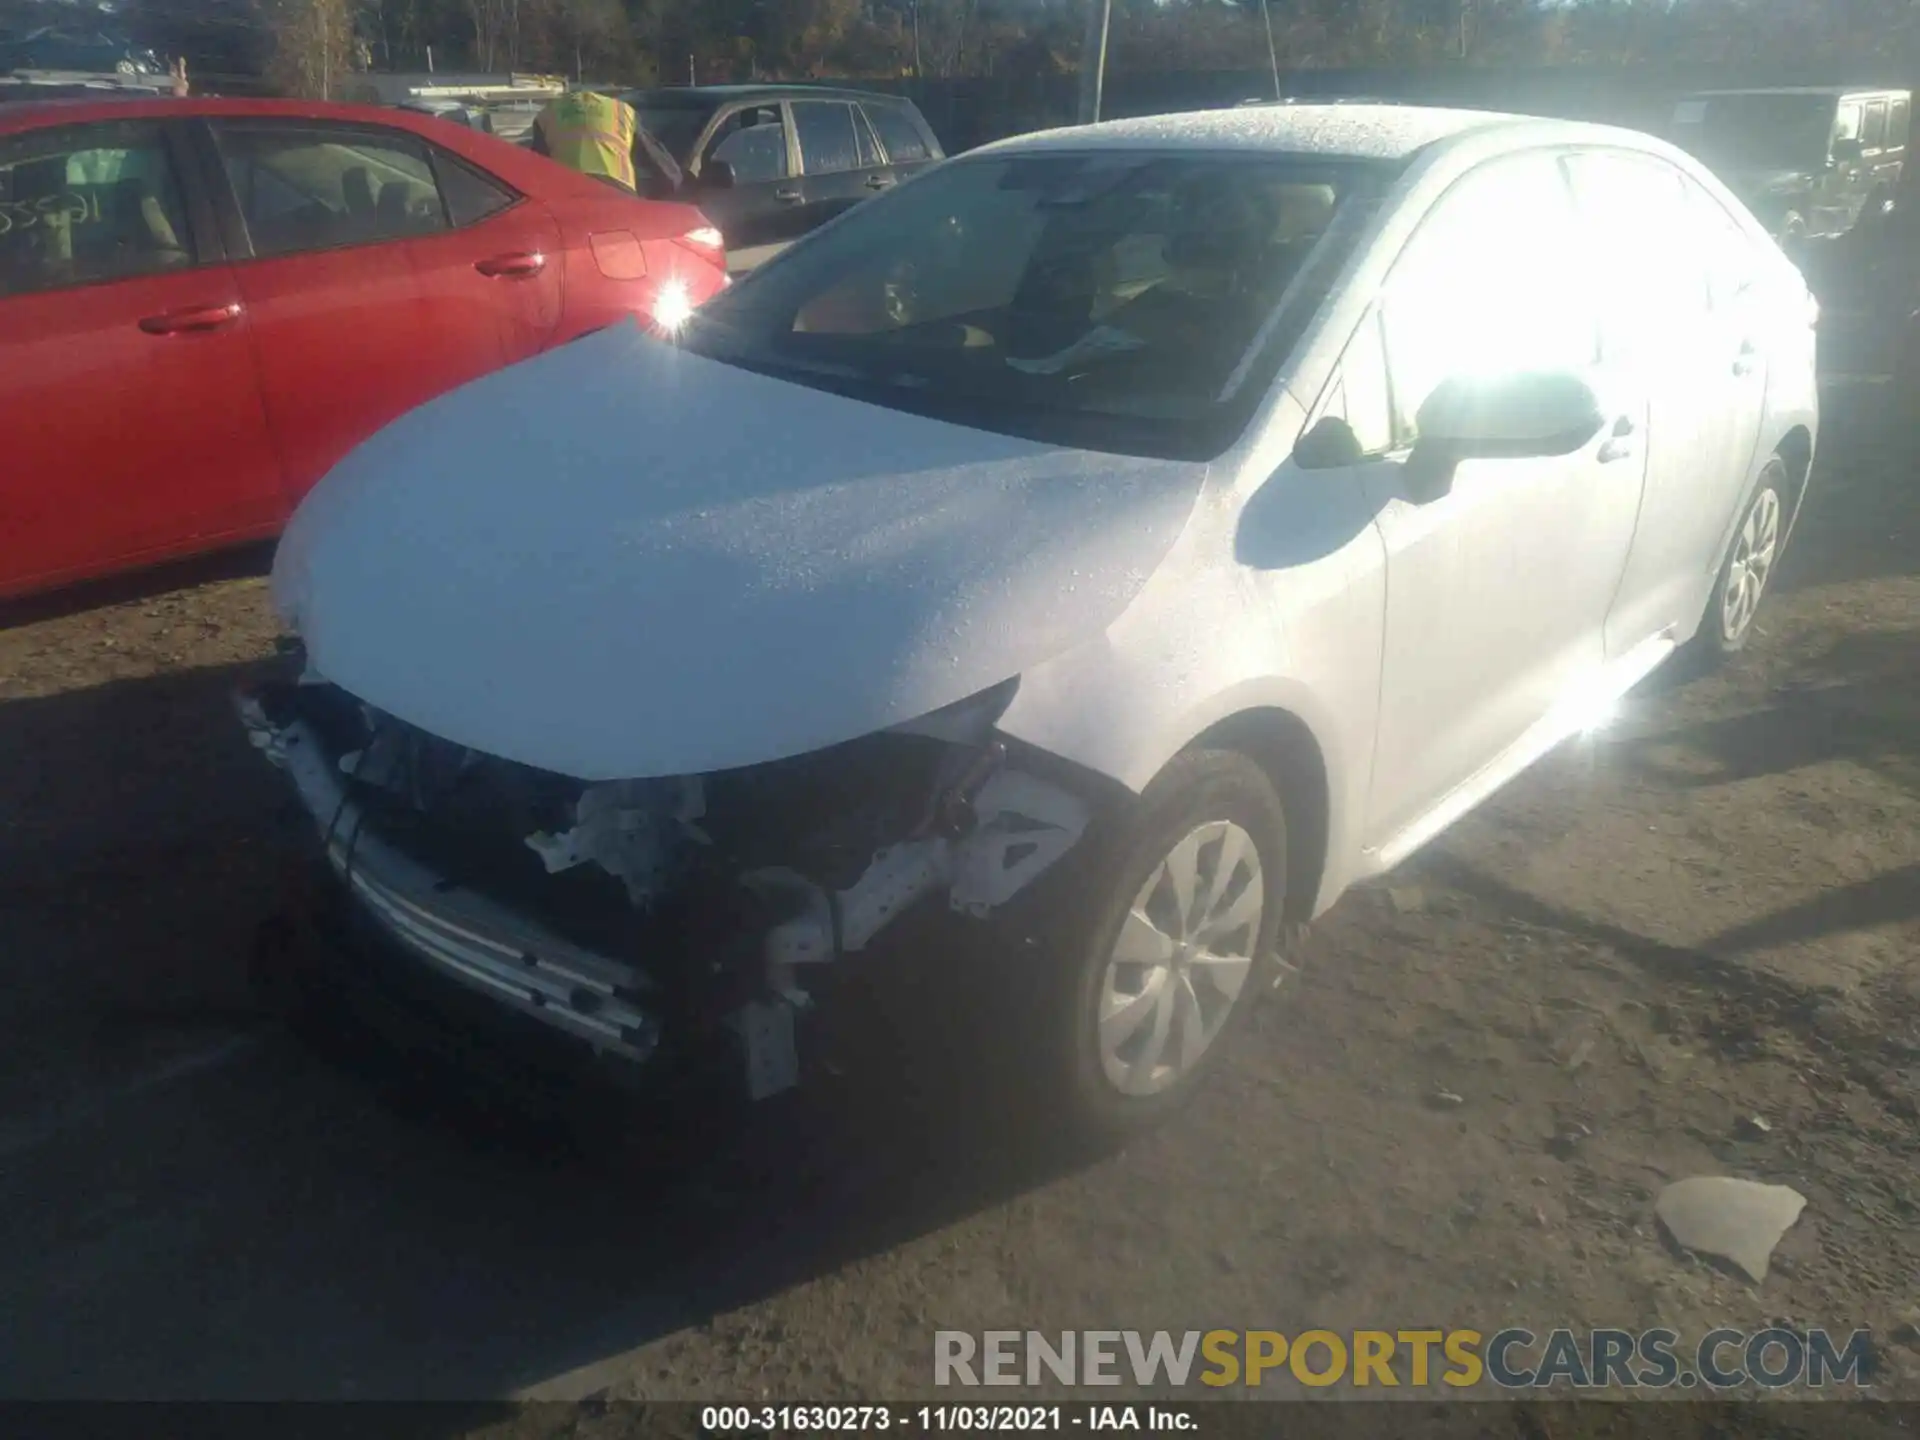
(1181,959)
(1751,567)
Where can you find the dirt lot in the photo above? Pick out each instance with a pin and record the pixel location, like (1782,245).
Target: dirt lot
(1458,1115)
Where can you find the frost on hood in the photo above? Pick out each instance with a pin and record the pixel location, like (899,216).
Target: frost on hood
(632,829)
(797,568)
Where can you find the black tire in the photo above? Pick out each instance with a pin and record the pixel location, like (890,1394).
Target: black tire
(1115,861)
(1717,639)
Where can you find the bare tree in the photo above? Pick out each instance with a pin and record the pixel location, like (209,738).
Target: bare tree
(312,47)
(945,27)
(493,24)
(584,38)
(947,38)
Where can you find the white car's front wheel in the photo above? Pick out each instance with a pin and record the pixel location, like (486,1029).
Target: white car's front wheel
(1164,941)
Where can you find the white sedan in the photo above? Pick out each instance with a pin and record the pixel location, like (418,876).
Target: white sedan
(1130,537)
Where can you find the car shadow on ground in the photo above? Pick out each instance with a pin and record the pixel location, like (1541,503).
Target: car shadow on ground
(1862,511)
(1884,900)
(136,848)
(239,563)
(197,1202)
(1858,701)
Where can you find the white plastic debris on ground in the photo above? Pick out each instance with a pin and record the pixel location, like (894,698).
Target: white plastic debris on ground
(1737,1220)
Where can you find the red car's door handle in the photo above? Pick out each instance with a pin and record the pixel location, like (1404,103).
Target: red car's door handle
(197,317)
(512,267)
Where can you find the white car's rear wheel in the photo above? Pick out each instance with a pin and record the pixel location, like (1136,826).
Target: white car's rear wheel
(1750,564)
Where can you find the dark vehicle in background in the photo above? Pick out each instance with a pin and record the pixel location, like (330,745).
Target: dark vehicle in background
(1808,162)
(1868,284)
(51,48)
(767,163)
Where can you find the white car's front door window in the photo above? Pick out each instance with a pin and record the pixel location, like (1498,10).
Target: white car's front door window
(1497,591)
(1475,297)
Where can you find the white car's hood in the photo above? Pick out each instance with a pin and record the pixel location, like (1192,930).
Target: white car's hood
(623,560)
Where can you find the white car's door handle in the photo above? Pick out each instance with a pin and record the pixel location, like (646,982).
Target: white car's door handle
(1744,362)
(1619,442)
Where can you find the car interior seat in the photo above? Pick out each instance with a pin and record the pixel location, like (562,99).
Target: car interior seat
(393,216)
(356,189)
(142,234)
(37,254)
(1053,305)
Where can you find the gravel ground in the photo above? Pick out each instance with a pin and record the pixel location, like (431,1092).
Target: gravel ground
(1459,1114)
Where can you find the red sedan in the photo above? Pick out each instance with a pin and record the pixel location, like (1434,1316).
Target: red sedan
(204,304)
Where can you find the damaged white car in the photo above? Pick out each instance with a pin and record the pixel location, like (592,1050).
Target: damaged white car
(1160,526)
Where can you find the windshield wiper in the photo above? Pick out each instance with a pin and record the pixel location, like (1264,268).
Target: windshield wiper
(707,336)
(826,369)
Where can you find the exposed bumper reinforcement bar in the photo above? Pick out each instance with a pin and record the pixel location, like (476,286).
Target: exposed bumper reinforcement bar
(463,935)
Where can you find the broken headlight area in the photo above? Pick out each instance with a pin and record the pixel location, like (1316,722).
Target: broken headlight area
(665,913)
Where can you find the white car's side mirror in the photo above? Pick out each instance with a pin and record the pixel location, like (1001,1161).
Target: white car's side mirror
(1505,417)
(1328,444)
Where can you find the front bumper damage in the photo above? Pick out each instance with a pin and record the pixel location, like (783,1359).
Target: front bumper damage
(657,916)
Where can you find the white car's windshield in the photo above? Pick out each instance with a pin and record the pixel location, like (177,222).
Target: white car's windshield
(1124,302)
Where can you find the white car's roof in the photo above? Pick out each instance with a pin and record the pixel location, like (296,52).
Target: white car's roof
(1364,132)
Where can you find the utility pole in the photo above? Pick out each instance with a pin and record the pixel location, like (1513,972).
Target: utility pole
(1093,59)
(1273,55)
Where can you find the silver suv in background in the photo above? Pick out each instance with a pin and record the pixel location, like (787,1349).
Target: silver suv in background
(768,163)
